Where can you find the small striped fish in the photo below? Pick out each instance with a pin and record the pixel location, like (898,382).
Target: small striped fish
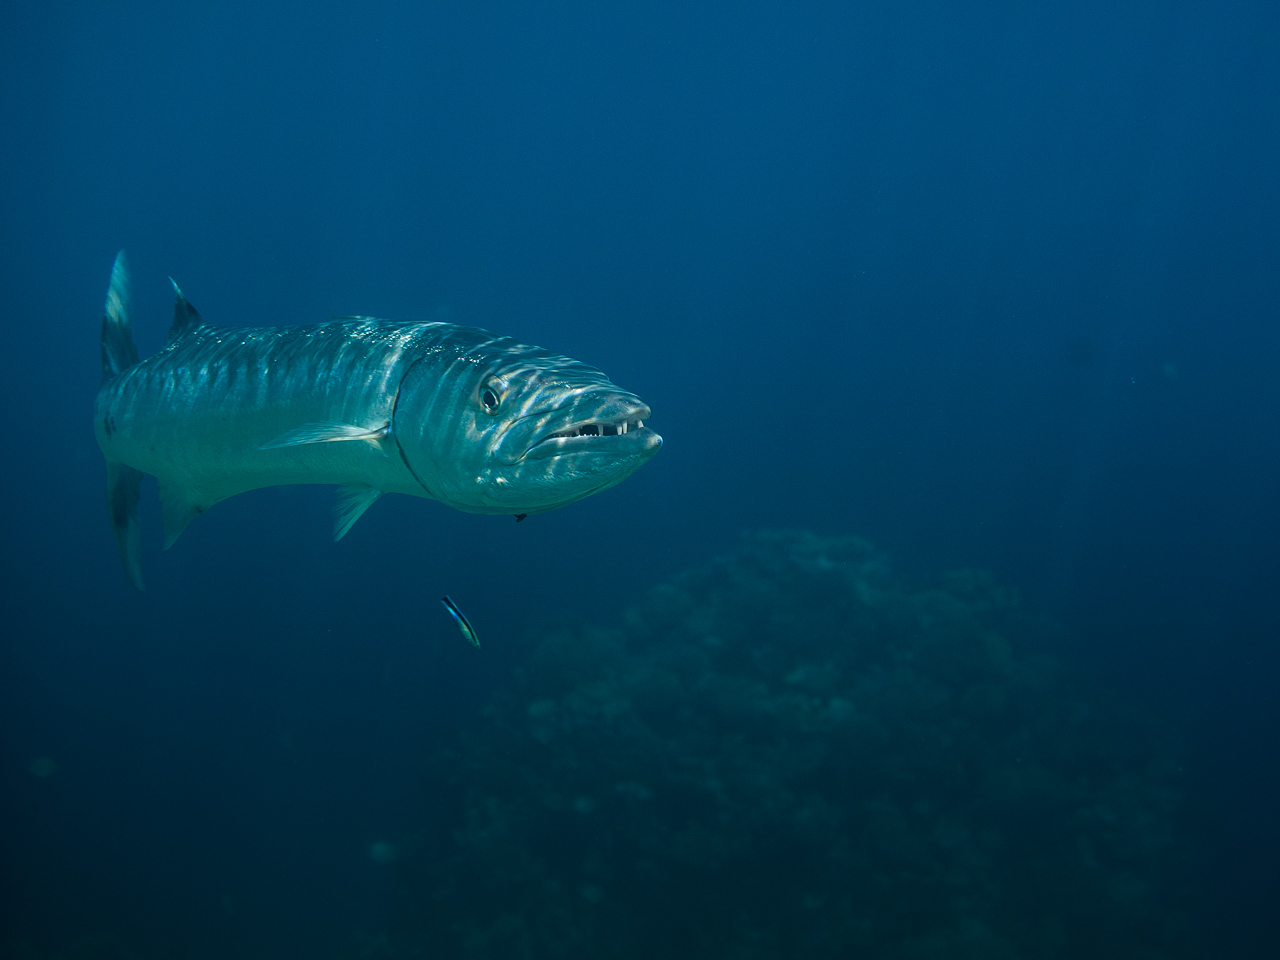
(460,618)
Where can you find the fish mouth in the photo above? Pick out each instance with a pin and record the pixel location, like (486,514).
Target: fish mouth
(608,423)
(596,436)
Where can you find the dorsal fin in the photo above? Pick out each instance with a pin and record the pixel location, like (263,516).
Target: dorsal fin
(185,316)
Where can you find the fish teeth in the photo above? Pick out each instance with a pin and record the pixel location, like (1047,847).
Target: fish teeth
(598,429)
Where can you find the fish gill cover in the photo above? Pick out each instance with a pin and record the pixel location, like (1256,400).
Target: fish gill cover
(788,753)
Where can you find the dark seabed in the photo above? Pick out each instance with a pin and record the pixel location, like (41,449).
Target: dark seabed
(945,625)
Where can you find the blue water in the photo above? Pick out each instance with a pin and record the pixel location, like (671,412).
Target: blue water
(992,286)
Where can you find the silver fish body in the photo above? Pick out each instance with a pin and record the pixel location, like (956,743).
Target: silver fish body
(477,421)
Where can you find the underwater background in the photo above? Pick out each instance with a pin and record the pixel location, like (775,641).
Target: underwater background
(944,625)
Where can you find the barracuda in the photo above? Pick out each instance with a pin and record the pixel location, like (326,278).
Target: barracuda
(477,421)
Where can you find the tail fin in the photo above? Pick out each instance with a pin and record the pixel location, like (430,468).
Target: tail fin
(123,486)
(118,350)
(123,482)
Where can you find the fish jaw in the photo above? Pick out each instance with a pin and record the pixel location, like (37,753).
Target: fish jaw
(561,432)
(595,438)
(561,470)
(623,442)
(553,472)
(600,422)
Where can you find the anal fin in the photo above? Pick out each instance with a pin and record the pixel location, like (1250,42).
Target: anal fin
(178,510)
(123,486)
(353,501)
(330,433)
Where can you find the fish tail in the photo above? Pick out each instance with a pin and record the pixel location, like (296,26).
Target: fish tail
(124,484)
(119,352)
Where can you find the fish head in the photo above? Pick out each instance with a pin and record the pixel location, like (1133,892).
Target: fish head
(490,425)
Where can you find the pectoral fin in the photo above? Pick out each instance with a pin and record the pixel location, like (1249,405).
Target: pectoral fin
(330,433)
(353,501)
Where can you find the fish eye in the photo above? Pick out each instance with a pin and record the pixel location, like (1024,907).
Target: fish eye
(491,391)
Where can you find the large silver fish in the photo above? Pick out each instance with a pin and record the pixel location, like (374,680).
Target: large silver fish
(456,414)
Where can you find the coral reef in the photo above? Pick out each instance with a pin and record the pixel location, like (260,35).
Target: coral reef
(786,753)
